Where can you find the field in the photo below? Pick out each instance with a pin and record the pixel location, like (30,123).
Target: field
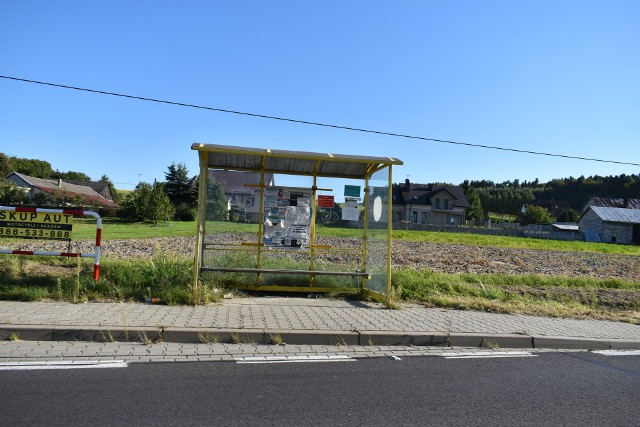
(463,271)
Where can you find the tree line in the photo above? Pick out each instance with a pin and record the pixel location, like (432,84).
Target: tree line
(507,197)
(177,196)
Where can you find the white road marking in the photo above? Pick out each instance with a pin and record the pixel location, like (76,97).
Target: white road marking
(294,359)
(61,364)
(486,354)
(618,352)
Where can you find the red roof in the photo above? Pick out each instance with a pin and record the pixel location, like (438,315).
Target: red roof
(92,200)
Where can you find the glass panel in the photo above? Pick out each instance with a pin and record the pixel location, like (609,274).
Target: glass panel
(291,236)
(377,232)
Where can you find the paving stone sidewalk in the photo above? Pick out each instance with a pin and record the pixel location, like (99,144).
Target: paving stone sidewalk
(305,321)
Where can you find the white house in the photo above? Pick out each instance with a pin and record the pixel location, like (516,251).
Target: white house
(242,189)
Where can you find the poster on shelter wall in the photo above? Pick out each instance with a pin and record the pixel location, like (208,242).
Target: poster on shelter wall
(350,211)
(287,217)
(270,199)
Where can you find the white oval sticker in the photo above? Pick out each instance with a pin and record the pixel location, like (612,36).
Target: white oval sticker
(377,208)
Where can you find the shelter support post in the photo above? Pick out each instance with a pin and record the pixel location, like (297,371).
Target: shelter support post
(201,220)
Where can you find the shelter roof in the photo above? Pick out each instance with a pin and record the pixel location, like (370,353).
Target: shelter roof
(292,162)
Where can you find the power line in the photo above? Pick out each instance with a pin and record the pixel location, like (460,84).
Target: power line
(305,122)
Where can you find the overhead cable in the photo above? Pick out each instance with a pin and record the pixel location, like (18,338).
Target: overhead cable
(306,122)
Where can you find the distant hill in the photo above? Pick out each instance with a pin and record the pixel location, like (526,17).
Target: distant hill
(507,197)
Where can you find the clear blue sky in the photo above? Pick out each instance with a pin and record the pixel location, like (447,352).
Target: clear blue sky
(554,76)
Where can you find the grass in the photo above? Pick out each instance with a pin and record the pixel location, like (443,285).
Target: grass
(169,279)
(116,229)
(609,299)
(275,339)
(113,228)
(235,338)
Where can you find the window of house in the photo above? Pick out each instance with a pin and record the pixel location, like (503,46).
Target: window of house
(424,217)
(415,217)
(446,204)
(437,203)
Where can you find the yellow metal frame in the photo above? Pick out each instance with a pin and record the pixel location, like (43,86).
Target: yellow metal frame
(376,166)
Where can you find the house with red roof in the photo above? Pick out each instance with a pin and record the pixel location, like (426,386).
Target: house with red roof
(34,186)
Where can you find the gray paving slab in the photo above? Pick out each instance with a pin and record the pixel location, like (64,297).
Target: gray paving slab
(304,321)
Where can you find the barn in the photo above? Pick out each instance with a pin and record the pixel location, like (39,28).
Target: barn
(610,225)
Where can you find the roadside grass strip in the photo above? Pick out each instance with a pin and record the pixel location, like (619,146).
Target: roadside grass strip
(618,352)
(62,364)
(486,354)
(294,359)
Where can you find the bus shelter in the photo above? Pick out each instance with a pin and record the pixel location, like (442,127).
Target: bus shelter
(304,238)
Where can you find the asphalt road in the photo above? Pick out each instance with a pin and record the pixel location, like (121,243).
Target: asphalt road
(550,389)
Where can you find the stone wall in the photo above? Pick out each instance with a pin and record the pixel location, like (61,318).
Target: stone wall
(615,232)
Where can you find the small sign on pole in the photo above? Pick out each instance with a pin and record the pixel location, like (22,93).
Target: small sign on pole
(325,201)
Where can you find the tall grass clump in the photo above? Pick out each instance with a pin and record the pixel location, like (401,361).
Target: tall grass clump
(165,278)
(613,299)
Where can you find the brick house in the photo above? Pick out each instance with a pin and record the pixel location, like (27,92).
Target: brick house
(429,204)
(614,225)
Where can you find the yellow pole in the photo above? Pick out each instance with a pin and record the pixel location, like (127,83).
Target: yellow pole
(202,214)
(260,220)
(389,229)
(314,208)
(365,226)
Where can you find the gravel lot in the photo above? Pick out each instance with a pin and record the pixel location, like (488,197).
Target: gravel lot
(447,258)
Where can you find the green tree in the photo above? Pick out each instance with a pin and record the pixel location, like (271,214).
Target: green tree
(475,213)
(568,215)
(70,176)
(180,189)
(535,215)
(11,194)
(217,206)
(148,202)
(32,167)
(6,166)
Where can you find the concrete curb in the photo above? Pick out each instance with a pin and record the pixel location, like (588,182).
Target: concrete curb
(306,337)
